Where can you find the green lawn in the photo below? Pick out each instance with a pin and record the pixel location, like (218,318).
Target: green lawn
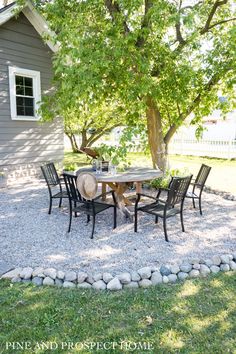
(198,316)
(222,176)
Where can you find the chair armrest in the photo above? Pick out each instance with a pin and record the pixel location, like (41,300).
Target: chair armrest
(145,195)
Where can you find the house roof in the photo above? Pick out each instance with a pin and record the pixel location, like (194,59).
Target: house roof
(36,20)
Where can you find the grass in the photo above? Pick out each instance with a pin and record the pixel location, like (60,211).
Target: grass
(197,316)
(222,176)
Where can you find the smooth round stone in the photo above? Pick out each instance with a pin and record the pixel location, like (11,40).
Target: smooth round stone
(215,269)
(81,276)
(107,277)
(38,272)
(145,272)
(90,279)
(60,275)
(70,276)
(124,278)
(15,273)
(185,267)
(194,260)
(16,280)
(145,283)
(59,282)
(174,269)
(84,285)
(156,278)
(164,270)
(172,278)
(48,281)
(196,266)
(26,273)
(50,272)
(37,281)
(224,267)
(114,285)
(165,279)
(182,275)
(225,259)
(204,270)
(131,285)
(68,284)
(232,265)
(97,276)
(216,260)
(209,262)
(135,276)
(194,273)
(99,285)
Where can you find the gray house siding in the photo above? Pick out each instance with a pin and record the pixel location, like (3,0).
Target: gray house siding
(25,142)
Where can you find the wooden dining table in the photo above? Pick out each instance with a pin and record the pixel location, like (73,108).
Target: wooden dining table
(121,181)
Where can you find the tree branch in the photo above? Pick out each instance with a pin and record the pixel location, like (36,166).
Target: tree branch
(114,9)
(216,5)
(223,21)
(213,81)
(145,22)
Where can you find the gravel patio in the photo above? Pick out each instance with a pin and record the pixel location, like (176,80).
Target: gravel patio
(31,237)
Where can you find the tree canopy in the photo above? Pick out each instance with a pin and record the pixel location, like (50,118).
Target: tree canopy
(165,59)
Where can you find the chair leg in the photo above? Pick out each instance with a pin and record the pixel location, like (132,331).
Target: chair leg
(136,221)
(76,214)
(88,218)
(200,203)
(156,219)
(193,203)
(165,231)
(114,218)
(182,219)
(60,202)
(50,205)
(93,227)
(70,217)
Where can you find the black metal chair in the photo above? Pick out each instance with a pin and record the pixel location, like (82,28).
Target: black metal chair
(53,181)
(199,184)
(89,207)
(166,208)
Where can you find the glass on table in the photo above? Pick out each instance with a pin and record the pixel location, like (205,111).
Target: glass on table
(112,169)
(98,166)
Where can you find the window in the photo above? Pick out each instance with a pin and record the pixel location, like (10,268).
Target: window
(25,93)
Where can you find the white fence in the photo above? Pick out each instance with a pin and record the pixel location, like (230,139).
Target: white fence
(212,148)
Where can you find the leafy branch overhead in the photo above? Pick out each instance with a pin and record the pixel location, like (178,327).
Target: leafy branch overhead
(165,60)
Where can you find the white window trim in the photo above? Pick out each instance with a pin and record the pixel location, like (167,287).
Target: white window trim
(35,75)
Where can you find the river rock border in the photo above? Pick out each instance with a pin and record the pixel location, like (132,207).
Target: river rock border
(142,278)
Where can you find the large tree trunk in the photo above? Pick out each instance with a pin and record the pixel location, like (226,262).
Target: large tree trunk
(158,147)
(73,142)
(84,142)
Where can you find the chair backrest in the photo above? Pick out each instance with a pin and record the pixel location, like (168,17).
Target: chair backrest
(202,175)
(178,190)
(72,191)
(50,174)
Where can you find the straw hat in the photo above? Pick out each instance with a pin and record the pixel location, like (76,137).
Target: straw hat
(87,185)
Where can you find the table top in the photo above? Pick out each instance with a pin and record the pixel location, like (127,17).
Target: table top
(134,174)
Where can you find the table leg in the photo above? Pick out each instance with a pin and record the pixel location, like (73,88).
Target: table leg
(122,201)
(138,187)
(104,189)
